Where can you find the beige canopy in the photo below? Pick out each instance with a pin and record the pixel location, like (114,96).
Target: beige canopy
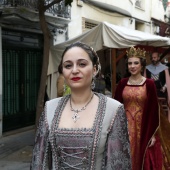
(105,35)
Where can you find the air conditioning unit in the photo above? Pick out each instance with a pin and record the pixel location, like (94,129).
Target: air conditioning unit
(79,3)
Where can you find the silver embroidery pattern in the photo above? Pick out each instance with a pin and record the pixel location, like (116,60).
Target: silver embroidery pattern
(76,149)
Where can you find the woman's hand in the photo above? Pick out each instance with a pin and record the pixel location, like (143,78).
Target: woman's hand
(163,89)
(153,140)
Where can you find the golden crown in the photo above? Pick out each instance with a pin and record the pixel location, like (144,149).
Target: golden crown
(133,52)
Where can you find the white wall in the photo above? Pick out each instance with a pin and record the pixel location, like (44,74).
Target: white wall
(75,26)
(157,10)
(92,13)
(151,8)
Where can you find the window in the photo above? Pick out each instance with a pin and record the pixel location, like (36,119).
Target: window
(140,26)
(88,24)
(138,3)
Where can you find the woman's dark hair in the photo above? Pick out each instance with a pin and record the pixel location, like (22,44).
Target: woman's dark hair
(143,64)
(89,50)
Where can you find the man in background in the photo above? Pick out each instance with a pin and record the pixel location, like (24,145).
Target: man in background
(160,74)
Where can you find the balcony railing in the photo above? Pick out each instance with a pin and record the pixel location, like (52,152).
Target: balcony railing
(59,9)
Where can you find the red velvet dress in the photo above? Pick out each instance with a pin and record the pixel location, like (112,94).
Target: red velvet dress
(141,107)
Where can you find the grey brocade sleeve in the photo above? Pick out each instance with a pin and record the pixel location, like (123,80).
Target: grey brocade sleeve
(40,149)
(118,146)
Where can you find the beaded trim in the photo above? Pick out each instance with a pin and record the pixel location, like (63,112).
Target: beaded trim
(111,125)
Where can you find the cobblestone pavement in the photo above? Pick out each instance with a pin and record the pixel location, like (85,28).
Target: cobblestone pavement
(16,150)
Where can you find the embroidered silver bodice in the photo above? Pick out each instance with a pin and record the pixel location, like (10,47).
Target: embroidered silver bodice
(103,147)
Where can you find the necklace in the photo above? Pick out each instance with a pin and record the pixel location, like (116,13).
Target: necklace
(136,82)
(76,116)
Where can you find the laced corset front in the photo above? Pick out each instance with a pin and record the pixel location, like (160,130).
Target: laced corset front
(74,148)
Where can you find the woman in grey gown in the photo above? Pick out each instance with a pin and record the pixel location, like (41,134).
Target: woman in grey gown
(83,130)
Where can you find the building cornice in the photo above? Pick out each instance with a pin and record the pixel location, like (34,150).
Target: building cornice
(108,7)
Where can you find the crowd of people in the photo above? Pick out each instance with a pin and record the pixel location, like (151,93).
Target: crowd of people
(85,129)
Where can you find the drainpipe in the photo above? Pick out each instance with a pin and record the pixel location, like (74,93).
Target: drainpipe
(1,82)
(151,27)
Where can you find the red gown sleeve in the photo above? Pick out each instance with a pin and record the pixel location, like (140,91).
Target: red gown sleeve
(119,90)
(150,120)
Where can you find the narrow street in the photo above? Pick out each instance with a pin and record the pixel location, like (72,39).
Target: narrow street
(16,150)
